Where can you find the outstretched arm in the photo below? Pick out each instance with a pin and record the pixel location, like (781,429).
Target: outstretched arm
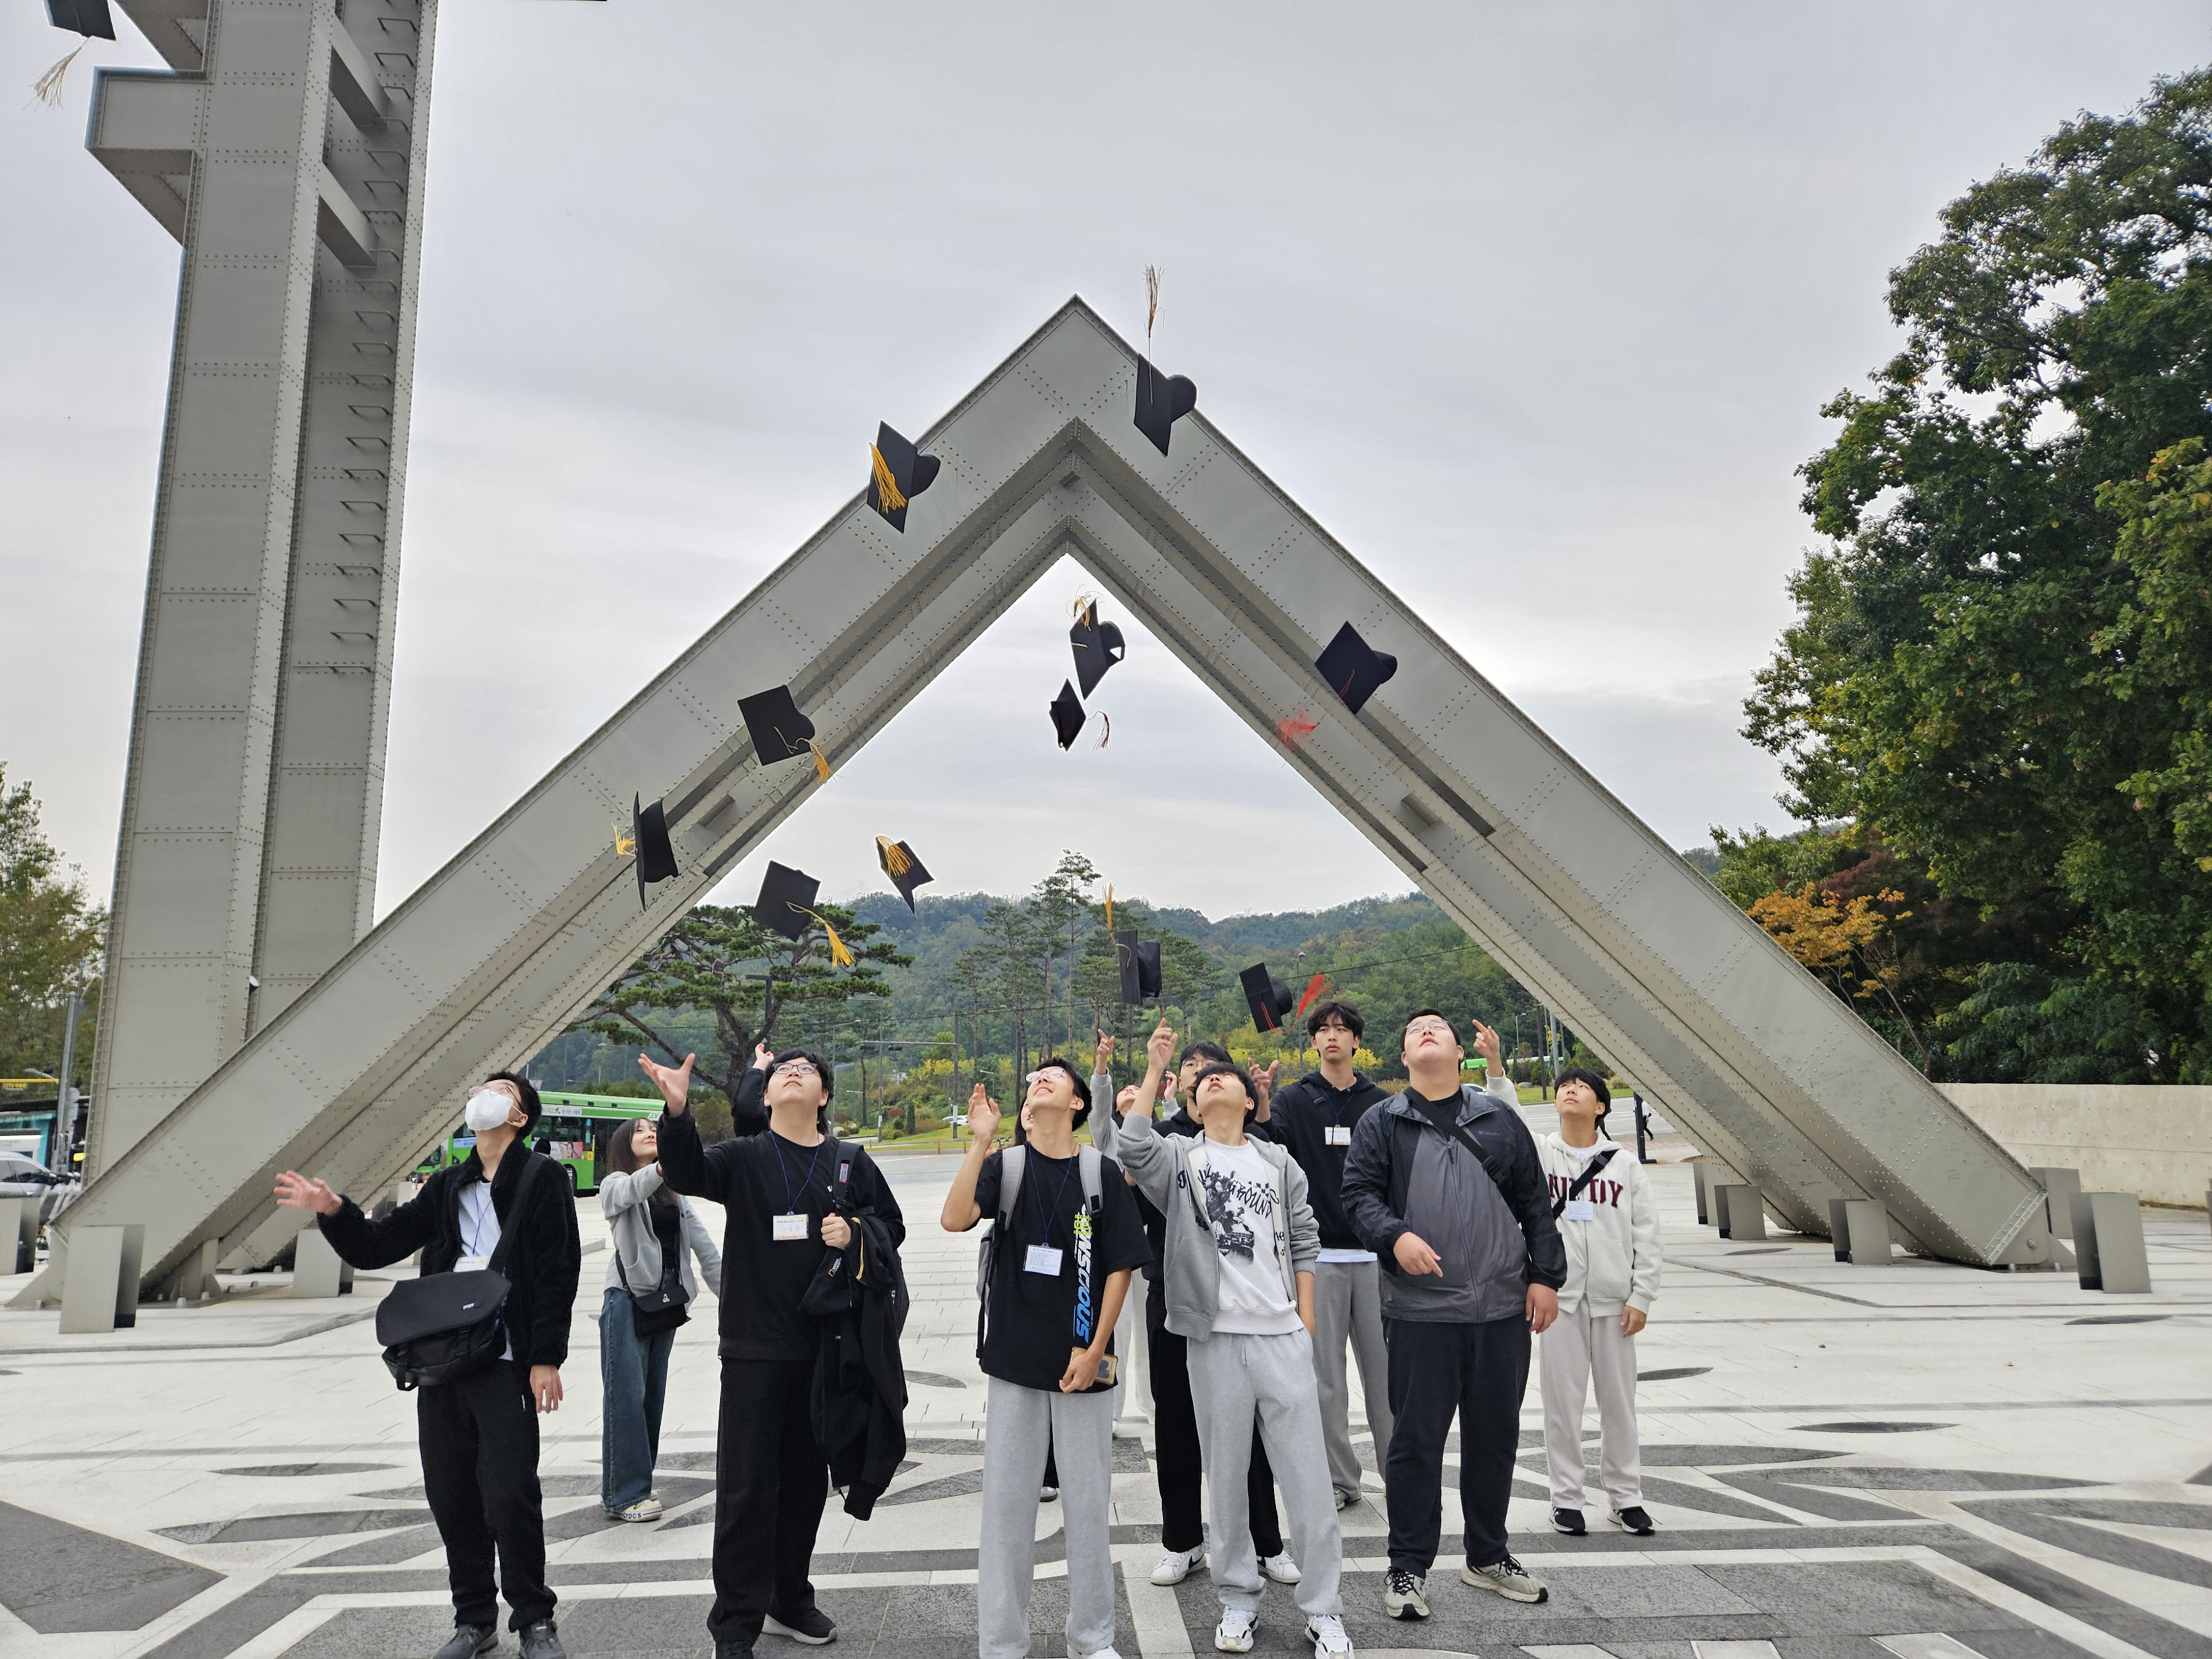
(961,1210)
(684,1163)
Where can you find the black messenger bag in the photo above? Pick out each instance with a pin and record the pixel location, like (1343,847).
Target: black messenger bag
(440,1327)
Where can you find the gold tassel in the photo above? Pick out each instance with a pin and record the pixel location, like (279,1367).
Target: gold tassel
(1109,907)
(821,761)
(625,846)
(895,862)
(47,88)
(887,489)
(838,954)
(1086,609)
(1151,303)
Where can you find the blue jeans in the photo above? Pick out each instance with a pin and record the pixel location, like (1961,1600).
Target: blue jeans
(634,1379)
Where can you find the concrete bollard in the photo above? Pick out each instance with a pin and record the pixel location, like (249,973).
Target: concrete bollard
(316,1269)
(19,1221)
(1866,1221)
(100,1287)
(2059,1187)
(1742,1213)
(1839,1227)
(1697,1185)
(2108,1243)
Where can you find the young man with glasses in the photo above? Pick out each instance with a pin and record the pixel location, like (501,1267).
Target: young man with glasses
(1443,1183)
(1313,1118)
(1061,1262)
(779,1194)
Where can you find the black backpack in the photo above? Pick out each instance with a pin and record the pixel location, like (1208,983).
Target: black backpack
(440,1327)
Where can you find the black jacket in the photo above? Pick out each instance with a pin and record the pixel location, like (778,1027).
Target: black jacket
(1381,1162)
(858,1401)
(542,1263)
(1299,1114)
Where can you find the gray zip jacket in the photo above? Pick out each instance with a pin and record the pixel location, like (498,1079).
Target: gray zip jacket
(636,1255)
(1160,1164)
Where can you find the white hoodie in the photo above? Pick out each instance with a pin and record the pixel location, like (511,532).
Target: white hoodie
(1613,1260)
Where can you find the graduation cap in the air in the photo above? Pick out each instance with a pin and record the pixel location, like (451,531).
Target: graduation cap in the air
(1270,998)
(779,730)
(1162,400)
(85,17)
(786,900)
(1067,715)
(1098,645)
(1354,669)
(897,474)
(656,858)
(1140,960)
(900,864)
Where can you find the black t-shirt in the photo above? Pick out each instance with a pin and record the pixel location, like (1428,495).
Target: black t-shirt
(668,1228)
(756,1178)
(1032,1329)
(1301,1115)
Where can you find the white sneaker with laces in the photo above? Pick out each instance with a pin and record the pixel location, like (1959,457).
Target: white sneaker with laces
(1326,1631)
(1176,1565)
(1235,1632)
(1280,1568)
(1508,1578)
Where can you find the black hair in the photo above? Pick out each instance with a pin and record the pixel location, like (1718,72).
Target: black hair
(1210,1051)
(1597,1086)
(532,1108)
(1082,1088)
(1426,1013)
(1224,1068)
(621,1158)
(1334,1009)
(822,1069)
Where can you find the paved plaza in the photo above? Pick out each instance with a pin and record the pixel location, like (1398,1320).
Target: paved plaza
(1919,1461)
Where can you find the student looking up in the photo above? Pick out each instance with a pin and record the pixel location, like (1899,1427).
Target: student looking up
(1444,1184)
(479,1432)
(782,1193)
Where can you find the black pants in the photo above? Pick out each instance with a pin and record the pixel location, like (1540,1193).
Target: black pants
(770,1482)
(479,1436)
(1479,1372)
(1177,1462)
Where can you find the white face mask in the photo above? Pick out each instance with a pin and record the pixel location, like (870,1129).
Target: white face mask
(487,1108)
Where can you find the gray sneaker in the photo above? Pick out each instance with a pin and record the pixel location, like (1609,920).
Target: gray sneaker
(542,1641)
(469,1640)
(1405,1595)
(1508,1578)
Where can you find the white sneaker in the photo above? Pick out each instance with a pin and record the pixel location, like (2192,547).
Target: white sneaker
(1047,1494)
(1508,1578)
(1345,1500)
(1235,1632)
(1405,1595)
(1280,1568)
(646,1507)
(1326,1631)
(1175,1565)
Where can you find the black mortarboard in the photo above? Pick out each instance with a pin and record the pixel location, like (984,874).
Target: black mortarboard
(1140,960)
(656,858)
(1067,715)
(779,730)
(1098,647)
(1269,997)
(1162,400)
(86,17)
(1353,669)
(786,896)
(900,864)
(897,474)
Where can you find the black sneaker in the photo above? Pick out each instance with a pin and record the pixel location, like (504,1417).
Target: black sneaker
(469,1640)
(741,1648)
(809,1625)
(1568,1522)
(1403,1594)
(1633,1520)
(542,1641)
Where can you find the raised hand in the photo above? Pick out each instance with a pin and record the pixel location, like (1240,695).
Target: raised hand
(1263,1080)
(1160,1048)
(674,1082)
(1102,1058)
(761,1058)
(295,1192)
(1487,1045)
(982,1116)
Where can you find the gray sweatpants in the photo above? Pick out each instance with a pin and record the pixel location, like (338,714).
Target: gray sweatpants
(1231,1377)
(1020,1426)
(1348,1308)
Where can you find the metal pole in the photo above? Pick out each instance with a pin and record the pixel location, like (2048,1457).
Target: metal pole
(65,1096)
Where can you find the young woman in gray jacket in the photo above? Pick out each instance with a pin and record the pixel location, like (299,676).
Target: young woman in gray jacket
(656,1234)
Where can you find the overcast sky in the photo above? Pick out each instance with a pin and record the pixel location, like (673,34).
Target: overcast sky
(1533,308)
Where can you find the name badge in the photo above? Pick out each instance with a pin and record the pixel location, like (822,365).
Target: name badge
(1042,1260)
(472,1264)
(787,1229)
(1581,1209)
(1336,1135)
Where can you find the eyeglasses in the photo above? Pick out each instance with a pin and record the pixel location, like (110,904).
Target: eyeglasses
(1423,1027)
(793,1067)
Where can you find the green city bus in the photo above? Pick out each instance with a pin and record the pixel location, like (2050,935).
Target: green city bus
(573,1130)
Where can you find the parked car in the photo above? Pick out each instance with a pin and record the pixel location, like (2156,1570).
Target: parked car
(22,1177)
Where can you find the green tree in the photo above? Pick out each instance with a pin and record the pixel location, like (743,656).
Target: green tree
(51,936)
(1954,677)
(715,960)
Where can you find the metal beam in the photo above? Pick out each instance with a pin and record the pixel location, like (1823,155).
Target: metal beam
(1582,902)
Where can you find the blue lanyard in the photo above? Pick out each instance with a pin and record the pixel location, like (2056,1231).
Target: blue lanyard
(1045,1216)
(790,1203)
(475,1243)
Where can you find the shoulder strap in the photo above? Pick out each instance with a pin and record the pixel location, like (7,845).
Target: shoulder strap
(1091,1163)
(525,1184)
(847,1151)
(1432,1114)
(1589,1175)
(1011,1162)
